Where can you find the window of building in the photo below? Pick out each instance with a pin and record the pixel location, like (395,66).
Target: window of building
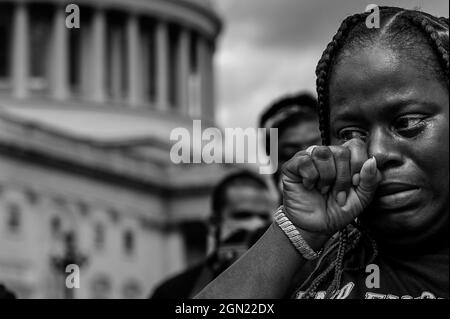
(99,235)
(55,226)
(114,215)
(129,242)
(101,287)
(132,290)
(14,218)
(83,208)
(31,196)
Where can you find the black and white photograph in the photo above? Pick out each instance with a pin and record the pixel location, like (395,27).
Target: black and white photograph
(194,153)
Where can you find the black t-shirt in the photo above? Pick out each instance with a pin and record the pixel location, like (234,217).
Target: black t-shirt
(188,283)
(387,276)
(180,286)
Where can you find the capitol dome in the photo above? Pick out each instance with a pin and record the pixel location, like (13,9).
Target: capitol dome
(85,118)
(147,54)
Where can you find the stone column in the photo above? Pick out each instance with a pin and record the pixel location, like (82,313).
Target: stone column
(60,70)
(134,61)
(20,51)
(115,65)
(162,65)
(204,63)
(183,70)
(98,93)
(209,83)
(86,61)
(144,67)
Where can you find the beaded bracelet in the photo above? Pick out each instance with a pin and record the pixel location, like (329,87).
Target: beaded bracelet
(294,235)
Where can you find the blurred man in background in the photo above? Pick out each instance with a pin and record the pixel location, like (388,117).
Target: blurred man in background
(295,117)
(5,293)
(297,121)
(241,204)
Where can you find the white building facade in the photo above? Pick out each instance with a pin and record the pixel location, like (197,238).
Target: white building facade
(85,119)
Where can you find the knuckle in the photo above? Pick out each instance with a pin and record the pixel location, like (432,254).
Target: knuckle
(300,160)
(304,160)
(300,154)
(322,153)
(342,153)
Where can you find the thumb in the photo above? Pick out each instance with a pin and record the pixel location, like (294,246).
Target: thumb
(368,183)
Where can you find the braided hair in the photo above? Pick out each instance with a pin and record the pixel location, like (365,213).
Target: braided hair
(414,27)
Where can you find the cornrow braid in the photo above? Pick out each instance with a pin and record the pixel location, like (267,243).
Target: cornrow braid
(322,72)
(311,290)
(334,287)
(336,264)
(368,236)
(423,23)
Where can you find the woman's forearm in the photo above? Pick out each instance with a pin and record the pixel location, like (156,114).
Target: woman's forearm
(264,272)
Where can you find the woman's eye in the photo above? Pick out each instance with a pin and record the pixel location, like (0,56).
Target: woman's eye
(351,133)
(409,126)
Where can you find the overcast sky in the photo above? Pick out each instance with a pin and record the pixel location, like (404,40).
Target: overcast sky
(271,47)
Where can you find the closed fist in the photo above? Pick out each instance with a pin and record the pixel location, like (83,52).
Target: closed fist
(326,187)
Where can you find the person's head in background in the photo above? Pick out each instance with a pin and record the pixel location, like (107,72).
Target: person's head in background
(241,202)
(297,121)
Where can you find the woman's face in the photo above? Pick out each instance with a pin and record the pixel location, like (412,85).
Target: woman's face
(401,111)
